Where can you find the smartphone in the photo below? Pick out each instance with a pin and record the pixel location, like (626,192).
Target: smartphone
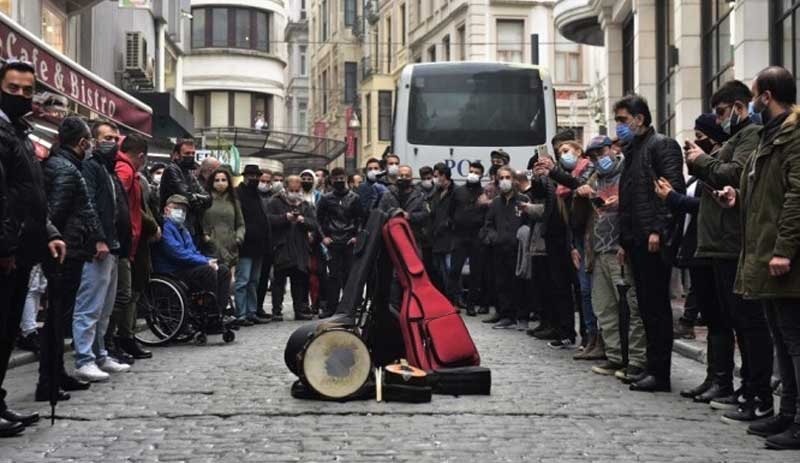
(535,158)
(598,201)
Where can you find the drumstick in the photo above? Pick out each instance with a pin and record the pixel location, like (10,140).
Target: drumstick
(378,384)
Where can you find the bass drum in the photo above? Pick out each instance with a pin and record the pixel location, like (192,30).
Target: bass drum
(334,361)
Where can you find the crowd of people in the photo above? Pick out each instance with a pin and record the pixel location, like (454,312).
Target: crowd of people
(595,231)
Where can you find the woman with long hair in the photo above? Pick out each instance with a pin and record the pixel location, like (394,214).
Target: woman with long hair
(223,223)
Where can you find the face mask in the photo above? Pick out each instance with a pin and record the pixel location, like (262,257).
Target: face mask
(569,160)
(393,170)
(624,133)
(295,197)
(505,185)
(339,185)
(404,183)
(605,164)
(426,184)
(187,162)
(177,215)
(15,106)
(705,144)
(761,110)
(372,175)
(252,182)
(277,187)
(107,149)
(307,186)
(263,187)
(754,116)
(472,178)
(726,126)
(157,179)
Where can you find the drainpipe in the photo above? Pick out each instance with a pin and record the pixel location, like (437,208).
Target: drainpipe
(161,44)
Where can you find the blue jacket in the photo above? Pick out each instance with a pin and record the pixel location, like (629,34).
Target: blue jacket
(370,193)
(176,250)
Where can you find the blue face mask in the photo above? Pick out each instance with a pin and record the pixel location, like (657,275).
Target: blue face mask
(569,161)
(755,117)
(605,165)
(624,133)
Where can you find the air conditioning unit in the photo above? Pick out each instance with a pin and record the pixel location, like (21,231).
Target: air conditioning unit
(135,53)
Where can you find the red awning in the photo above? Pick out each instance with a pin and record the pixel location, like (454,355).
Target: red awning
(68,78)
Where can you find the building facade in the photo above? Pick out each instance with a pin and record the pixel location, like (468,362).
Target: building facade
(297,94)
(676,53)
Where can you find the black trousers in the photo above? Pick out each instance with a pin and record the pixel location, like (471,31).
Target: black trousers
(339,265)
(63,282)
(203,277)
(651,276)
(13,290)
(488,293)
(783,316)
(719,367)
(263,281)
(299,287)
(552,276)
(467,248)
(506,282)
(752,331)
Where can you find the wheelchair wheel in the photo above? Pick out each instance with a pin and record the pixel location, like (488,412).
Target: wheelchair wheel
(200,338)
(163,308)
(228,336)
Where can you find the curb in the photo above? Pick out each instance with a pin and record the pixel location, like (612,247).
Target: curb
(689,350)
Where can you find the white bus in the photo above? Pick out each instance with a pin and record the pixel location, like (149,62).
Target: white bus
(459,112)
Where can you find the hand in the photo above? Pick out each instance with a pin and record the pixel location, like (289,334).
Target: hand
(611,201)
(206,238)
(483,200)
(58,249)
(214,264)
(663,187)
(351,242)
(621,256)
(102,250)
(7,264)
(585,191)
(327,241)
(301,219)
(726,197)
(158,234)
(291,217)
(779,266)
(576,258)
(691,151)
(654,242)
(545,162)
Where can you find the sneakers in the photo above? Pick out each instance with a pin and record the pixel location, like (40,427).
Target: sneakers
(751,410)
(546,334)
(111,366)
(787,440)
(561,344)
(483,310)
(608,369)
(630,374)
(731,402)
(504,324)
(90,372)
(775,425)
(493,319)
(522,325)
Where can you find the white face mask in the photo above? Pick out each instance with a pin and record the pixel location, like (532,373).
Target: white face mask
(157,179)
(506,185)
(178,215)
(277,187)
(263,187)
(372,175)
(427,184)
(473,178)
(393,170)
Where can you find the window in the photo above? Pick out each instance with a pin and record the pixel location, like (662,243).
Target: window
(5,7)
(368,106)
(350,80)
(199,107)
(419,12)
(717,46)
(510,40)
(349,13)
(224,109)
(665,38)
(303,9)
(568,61)
(221,27)
(627,55)
(446,47)
(384,115)
(324,92)
(54,27)
(302,117)
(432,54)
(403,25)
(324,20)
(785,35)
(462,43)
(303,69)
(389,50)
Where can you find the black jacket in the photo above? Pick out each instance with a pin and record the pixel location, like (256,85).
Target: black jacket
(648,157)
(684,204)
(257,230)
(441,220)
(290,246)
(339,216)
(177,181)
(103,196)
(69,205)
(503,221)
(468,216)
(557,233)
(412,202)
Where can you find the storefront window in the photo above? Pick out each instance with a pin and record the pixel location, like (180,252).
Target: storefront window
(665,36)
(53,27)
(717,46)
(224,109)
(785,36)
(223,27)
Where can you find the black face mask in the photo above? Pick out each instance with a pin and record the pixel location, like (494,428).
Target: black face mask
(187,162)
(339,186)
(307,186)
(706,144)
(404,184)
(15,106)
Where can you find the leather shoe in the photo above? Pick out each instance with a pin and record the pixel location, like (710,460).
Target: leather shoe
(132,348)
(68,383)
(14,417)
(10,428)
(650,384)
(697,390)
(634,378)
(471,311)
(43,395)
(714,392)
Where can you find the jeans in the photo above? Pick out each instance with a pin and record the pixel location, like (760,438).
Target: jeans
(341,261)
(783,316)
(36,288)
(123,319)
(248,274)
(93,306)
(585,281)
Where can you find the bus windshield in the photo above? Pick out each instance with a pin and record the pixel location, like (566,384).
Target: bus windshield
(494,108)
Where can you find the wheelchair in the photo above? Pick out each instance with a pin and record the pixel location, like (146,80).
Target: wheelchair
(175,314)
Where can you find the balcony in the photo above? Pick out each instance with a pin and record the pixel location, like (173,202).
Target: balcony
(367,67)
(577,21)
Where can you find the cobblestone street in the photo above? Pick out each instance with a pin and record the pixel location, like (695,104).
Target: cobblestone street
(232,403)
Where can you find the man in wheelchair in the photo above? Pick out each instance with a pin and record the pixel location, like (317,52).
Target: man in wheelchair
(177,255)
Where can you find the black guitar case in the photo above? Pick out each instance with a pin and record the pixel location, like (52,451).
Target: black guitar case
(461,381)
(369,244)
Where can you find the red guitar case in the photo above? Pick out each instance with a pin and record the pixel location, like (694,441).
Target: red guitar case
(434,334)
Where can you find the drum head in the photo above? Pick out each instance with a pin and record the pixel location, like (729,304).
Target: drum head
(336,363)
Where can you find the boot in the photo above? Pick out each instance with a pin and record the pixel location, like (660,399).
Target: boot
(132,348)
(697,390)
(590,345)
(598,352)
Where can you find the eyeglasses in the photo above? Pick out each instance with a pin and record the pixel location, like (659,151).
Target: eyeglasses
(721,110)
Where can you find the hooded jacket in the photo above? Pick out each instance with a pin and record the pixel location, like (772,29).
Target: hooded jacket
(311,197)
(129,179)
